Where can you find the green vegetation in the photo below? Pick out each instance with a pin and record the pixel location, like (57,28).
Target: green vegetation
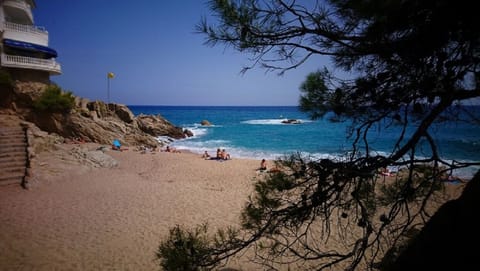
(55,100)
(411,64)
(184,250)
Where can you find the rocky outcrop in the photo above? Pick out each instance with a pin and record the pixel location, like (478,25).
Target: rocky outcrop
(93,158)
(158,126)
(123,112)
(93,121)
(19,96)
(25,93)
(102,124)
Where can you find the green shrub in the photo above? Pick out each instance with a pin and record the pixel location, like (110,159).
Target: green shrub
(55,100)
(184,250)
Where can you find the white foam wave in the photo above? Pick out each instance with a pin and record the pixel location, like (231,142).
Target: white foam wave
(211,146)
(272,121)
(165,139)
(243,153)
(197,132)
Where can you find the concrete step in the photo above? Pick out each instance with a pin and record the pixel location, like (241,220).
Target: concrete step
(4,133)
(12,169)
(12,175)
(12,151)
(12,180)
(16,134)
(12,163)
(4,142)
(12,155)
(13,143)
(10,130)
(16,138)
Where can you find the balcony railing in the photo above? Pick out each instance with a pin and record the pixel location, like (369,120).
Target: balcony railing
(28,33)
(23,62)
(39,30)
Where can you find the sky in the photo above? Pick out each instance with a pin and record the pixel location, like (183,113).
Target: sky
(156,56)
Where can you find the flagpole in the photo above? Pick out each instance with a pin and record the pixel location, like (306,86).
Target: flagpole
(108,89)
(110,75)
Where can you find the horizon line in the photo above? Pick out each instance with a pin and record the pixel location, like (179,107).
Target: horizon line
(213,105)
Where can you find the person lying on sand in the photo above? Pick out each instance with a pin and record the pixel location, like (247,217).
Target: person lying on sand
(454,179)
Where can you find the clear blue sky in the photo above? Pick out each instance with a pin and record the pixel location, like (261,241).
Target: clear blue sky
(157,59)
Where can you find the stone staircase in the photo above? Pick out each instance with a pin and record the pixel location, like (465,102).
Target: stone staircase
(13,155)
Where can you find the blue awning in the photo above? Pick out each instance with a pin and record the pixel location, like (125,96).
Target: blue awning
(30,47)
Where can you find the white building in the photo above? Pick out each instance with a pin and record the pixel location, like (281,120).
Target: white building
(24,46)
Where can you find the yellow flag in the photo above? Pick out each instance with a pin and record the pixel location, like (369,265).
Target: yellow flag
(110,75)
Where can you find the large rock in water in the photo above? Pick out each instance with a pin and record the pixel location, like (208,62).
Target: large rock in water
(205,123)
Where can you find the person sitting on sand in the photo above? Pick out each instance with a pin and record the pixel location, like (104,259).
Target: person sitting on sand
(206,155)
(454,179)
(263,165)
(225,155)
(219,154)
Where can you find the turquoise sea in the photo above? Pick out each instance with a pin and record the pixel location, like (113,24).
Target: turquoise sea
(258,132)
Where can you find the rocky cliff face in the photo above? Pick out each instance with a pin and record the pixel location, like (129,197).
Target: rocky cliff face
(91,121)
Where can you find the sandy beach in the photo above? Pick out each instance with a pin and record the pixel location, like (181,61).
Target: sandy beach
(81,218)
(76,217)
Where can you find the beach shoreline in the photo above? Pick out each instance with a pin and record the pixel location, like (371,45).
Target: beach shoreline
(78,217)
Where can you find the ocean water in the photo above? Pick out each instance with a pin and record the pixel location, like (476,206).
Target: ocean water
(258,132)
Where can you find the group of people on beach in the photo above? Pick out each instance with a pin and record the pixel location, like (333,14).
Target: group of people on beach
(222,154)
